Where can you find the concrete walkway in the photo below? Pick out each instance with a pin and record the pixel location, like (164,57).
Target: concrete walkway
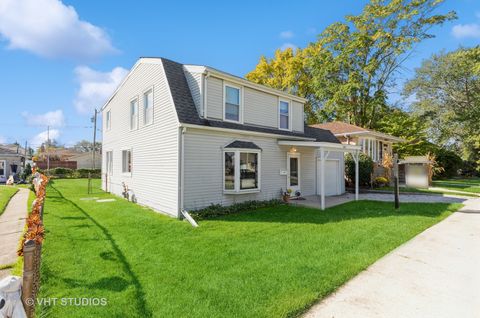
(434,275)
(313,201)
(12,222)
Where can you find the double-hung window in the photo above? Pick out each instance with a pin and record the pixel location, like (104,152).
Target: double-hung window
(109,162)
(232,107)
(148,107)
(126,161)
(108,120)
(241,170)
(134,114)
(284,113)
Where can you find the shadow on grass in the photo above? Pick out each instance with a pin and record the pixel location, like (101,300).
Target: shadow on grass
(110,283)
(339,213)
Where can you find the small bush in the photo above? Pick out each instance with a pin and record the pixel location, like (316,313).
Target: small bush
(381,181)
(365,169)
(216,210)
(66,173)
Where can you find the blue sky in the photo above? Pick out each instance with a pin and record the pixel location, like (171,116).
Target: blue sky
(58,60)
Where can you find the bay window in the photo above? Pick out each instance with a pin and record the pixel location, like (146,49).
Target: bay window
(241,170)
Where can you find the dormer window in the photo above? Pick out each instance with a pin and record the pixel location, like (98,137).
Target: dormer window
(284,115)
(232,103)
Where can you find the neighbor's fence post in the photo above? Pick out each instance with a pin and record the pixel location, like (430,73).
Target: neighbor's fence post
(28,277)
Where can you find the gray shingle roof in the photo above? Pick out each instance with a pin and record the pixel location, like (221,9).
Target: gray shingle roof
(187,112)
(243,145)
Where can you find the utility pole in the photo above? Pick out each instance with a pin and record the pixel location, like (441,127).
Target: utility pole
(94,119)
(25,160)
(48,150)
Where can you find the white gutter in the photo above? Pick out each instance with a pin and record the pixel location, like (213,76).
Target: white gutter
(318,144)
(373,133)
(246,132)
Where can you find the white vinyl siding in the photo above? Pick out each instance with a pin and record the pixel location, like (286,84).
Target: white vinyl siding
(134,114)
(109,162)
(148,107)
(260,108)
(155,147)
(214,105)
(298,117)
(204,176)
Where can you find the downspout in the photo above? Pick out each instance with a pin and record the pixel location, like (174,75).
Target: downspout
(181,171)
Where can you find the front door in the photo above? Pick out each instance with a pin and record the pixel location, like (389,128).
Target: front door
(293,169)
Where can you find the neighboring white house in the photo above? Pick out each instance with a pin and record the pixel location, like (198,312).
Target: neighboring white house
(187,136)
(373,143)
(11,162)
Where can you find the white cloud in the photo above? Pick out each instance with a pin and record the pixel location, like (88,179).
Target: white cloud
(288,46)
(287,34)
(466,30)
(3,140)
(96,87)
(51,29)
(42,137)
(52,119)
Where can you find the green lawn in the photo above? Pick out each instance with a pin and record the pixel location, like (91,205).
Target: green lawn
(468,185)
(6,193)
(274,262)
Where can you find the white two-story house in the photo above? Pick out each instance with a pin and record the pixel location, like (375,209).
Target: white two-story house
(188,136)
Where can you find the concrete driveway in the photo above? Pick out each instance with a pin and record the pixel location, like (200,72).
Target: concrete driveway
(436,274)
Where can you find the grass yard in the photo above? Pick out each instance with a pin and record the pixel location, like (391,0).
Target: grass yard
(274,262)
(6,193)
(468,185)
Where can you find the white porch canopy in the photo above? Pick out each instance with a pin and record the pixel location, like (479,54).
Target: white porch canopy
(325,148)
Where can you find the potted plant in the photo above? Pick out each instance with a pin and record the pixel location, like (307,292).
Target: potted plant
(286,195)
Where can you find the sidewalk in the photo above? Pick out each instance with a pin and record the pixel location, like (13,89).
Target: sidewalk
(436,274)
(12,222)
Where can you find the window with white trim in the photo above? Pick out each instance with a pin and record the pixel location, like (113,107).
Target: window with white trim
(3,167)
(109,162)
(241,170)
(148,107)
(108,120)
(284,113)
(126,161)
(232,103)
(134,114)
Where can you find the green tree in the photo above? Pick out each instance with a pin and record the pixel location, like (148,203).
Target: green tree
(446,89)
(346,74)
(412,128)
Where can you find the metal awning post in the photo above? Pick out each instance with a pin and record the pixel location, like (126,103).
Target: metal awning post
(322,178)
(356,157)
